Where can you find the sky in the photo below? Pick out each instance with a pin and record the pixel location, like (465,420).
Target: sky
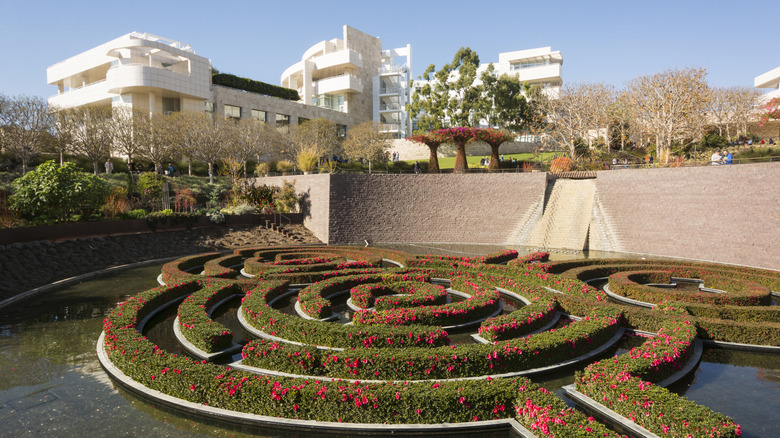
(600,41)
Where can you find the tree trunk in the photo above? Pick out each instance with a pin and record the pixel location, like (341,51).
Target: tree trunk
(493,157)
(62,158)
(96,166)
(189,167)
(211,173)
(461,166)
(369,167)
(433,161)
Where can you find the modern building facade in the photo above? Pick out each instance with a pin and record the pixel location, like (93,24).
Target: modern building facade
(137,69)
(353,75)
(771,80)
(348,81)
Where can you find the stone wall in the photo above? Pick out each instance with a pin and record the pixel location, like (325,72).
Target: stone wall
(727,214)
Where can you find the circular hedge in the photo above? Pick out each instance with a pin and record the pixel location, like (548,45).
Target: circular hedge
(389,360)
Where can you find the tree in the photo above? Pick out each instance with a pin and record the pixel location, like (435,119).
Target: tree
(449,97)
(158,137)
(494,138)
(578,113)
(366,142)
(61,132)
(670,105)
(319,136)
(460,137)
(620,119)
(90,132)
(433,142)
(209,139)
(25,122)
(253,140)
(503,103)
(125,130)
(745,102)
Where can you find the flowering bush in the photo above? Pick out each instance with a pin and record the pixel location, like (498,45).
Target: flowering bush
(197,326)
(520,322)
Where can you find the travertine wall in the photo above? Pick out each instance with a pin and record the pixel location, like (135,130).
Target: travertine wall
(315,190)
(727,214)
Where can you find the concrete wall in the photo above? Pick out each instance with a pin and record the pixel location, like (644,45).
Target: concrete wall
(727,214)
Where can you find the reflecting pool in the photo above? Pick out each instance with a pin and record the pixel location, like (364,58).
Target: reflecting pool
(52,384)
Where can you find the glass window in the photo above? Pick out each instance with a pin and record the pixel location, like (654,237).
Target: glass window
(232,112)
(258,115)
(342,130)
(283,122)
(302,120)
(170,105)
(208,106)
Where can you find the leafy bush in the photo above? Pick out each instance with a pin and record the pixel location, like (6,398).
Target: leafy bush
(138,213)
(215,217)
(150,186)
(116,203)
(286,200)
(307,160)
(233,81)
(57,192)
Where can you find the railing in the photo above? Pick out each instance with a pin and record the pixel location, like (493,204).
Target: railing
(391,106)
(390,90)
(60,93)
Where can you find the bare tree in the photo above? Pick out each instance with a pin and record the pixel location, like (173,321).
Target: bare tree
(366,142)
(90,132)
(207,138)
(156,137)
(621,118)
(745,102)
(579,112)
(125,126)
(670,106)
(253,140)
(318,135)
(25,122)
(61,132)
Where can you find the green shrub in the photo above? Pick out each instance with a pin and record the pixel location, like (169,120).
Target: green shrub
(150,187)
(57,192)
(233,81)
(286,200)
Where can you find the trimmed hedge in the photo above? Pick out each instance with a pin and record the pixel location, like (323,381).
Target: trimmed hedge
(221,267)
(178,270)
(263,317)
(621,384)
(410,363)
(521,322)
(197,326)
(233,81)
(412,294)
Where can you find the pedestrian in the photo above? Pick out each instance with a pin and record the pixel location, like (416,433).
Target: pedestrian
(715,158)
(131,166)
(416,167)
(171,170)
(728,158)
(109,166)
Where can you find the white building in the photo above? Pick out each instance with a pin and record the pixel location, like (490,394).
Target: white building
(347,81)
(354,76)
(539,66)
(137,69)
(770,79)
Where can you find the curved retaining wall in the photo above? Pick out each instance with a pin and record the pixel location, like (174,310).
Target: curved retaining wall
(727,214)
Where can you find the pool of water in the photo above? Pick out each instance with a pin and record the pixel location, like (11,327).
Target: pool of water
(53,385)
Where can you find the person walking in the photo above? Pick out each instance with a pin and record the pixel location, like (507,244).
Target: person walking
(109,166)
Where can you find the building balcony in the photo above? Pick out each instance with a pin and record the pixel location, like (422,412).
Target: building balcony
(390,107)
(394,90)
(390,127)
(546,73)
(342,59)
(338,84)
(770,79)
(87,94)
(125,78)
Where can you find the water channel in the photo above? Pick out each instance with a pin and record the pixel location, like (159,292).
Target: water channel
(51,383)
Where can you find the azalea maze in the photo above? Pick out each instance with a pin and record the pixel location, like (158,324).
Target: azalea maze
(346,338)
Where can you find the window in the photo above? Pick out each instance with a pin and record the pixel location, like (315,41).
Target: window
(302,120)
(519,65)
(329,101)
(283,122)
(341,130)
(170,105)
(232,112)
(208,106)
(258,115)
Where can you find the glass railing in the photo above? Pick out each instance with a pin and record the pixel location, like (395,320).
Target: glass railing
(60,93)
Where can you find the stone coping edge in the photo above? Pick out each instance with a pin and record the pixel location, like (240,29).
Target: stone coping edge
(693,362)
(619,423)
(247,419)
(78,278)
(197,352)
(625,300)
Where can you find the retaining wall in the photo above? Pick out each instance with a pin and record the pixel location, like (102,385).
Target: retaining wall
(728,214)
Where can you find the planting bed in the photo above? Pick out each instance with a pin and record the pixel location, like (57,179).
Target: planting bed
(386,362)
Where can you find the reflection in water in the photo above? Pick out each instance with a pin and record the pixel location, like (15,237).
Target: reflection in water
(52,385)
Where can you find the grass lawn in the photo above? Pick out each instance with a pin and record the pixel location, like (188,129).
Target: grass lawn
(449,162)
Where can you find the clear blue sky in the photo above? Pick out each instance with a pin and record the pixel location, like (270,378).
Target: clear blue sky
(601,41)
